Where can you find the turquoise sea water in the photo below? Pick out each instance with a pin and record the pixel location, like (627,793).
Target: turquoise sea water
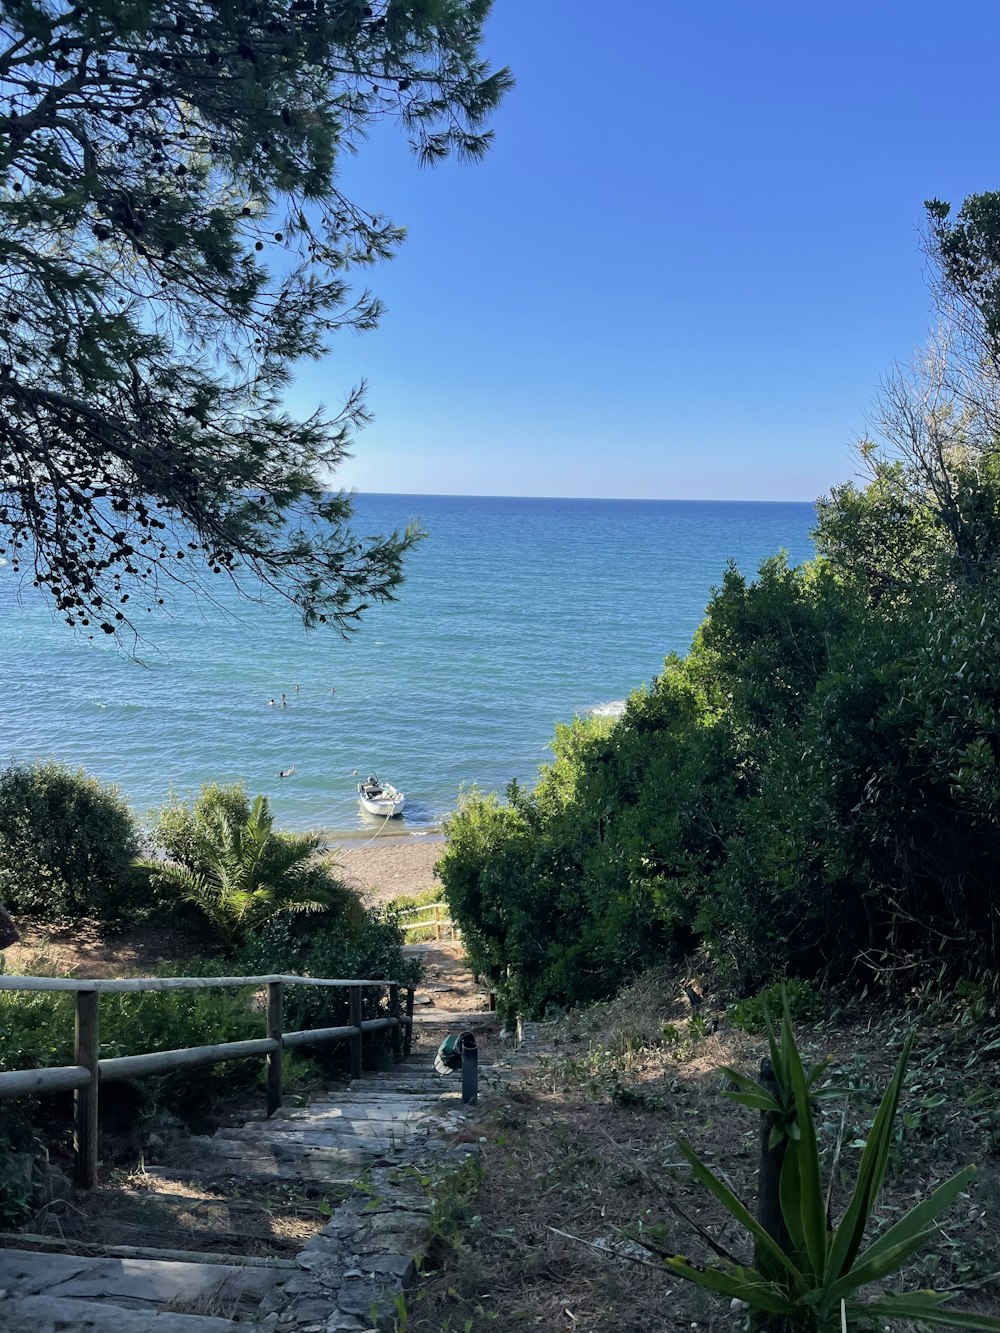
(516,613)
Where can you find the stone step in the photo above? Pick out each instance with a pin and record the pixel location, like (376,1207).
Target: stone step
(354,1134)
(223,1159)
(286,1145)
(315,1183)
(212,1153)
(161,1218)
(374,1113)
(374,1108)
(113,1250)
(50,1314)
(138,1284)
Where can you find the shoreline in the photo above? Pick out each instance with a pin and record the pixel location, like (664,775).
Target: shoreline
(383,869)
(394,836)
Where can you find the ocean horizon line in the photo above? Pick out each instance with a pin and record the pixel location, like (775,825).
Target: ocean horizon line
(574,499)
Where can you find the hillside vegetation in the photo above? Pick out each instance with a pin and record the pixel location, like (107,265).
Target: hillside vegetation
(813,789)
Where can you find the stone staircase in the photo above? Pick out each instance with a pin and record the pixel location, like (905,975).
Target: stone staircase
(367,1154)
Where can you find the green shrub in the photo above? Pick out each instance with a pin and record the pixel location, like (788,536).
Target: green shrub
(67,846)
(172,1019)
(356,944)
(753,1014)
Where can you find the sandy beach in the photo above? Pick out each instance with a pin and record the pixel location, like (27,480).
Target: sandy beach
(382,870)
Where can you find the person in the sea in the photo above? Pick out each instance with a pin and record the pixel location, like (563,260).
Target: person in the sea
(284,701)
(270,703)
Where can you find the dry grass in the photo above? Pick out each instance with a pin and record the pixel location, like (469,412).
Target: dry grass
(584,1146)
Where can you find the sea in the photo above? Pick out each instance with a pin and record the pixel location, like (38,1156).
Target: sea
(515,614)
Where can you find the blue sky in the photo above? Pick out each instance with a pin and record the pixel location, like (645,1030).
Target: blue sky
(688,260)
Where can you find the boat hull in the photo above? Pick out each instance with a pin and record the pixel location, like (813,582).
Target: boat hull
(383,809)
(380,798)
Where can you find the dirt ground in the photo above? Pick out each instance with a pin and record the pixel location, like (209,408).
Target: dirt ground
(84,950)
(388,869)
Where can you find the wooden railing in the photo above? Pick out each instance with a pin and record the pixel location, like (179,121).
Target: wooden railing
(88,1071)
(436,921)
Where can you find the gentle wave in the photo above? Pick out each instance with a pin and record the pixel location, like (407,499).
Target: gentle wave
(613,708)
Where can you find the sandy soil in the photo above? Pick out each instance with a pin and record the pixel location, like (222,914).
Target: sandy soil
(384,870)
(86,951)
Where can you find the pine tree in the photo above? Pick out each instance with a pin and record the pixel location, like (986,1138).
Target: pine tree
(172,241)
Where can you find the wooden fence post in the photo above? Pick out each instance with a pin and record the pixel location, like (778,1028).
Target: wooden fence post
(769,1213)
(355,1000)
(397,1031)
(408,1032)
(275,1024)
(86,1099)
(437,921)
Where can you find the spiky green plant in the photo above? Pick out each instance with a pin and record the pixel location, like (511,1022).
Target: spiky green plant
(246,873)
(812,1285)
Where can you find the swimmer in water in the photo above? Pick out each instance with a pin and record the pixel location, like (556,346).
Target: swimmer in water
(287,772)
(270,703)
(284,701)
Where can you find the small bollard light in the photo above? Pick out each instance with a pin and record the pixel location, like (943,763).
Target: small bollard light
(470,1068)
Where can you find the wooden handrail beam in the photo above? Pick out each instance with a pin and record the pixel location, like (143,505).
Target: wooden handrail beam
(57,1078)
(88,1072)
(311,1036)
(187,1057)
(125,985)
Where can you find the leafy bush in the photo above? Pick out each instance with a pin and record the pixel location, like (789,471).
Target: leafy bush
(816,783)
(358,944)
(753,1014)
(67,846)
(36,1030)
(225,858)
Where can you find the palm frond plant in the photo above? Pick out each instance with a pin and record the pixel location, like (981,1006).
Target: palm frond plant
(811,1281)
(241,872)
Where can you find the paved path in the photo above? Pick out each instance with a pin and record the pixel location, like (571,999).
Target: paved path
(370,1153)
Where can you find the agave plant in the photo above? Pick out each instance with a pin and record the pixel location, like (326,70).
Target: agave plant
(811,1284)
(246,872)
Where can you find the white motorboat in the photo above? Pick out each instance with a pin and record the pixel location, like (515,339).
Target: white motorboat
(379,798)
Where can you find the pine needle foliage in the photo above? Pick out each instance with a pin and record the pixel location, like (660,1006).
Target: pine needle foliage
(173,239)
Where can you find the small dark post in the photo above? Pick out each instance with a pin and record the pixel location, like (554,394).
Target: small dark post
(408,1030)
(275,993)
(86,1099)
(771,1160)
(470,1068)
(397,1031)
(492,1000)
(355,999)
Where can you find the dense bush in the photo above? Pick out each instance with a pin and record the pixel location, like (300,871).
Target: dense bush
(813,787)
(36,1029)
(354,944)
(67,846)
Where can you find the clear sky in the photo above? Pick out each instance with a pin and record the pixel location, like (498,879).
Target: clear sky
(689,258)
